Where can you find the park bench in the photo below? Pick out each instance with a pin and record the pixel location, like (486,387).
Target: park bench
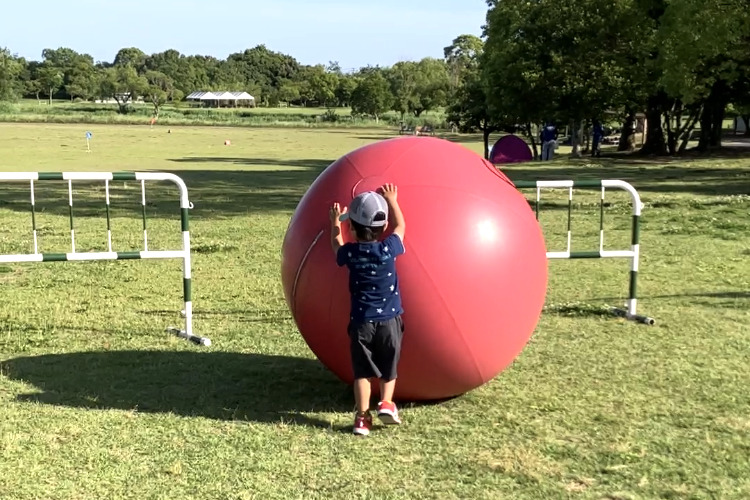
(425,130)
(406,129)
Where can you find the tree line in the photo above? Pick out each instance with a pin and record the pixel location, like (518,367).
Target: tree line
(681,63)
(409,87)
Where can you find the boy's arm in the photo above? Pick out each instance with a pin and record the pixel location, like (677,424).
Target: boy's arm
(337,239)
(390,193)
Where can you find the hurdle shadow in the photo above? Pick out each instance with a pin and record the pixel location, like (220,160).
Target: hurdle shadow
(579,310)
(217,385)
(650,176)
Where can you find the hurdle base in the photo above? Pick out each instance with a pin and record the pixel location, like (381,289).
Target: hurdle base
(195,339)
(623,313)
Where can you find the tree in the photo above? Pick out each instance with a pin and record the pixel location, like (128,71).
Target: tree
(226,75)
(516,86)
(469,110)
(569,71)
(265,68)
(334,67)
(29,80)
(705,54)
(418,86)
(11,69)
(432,85)
(77,71)
(372,96)
(159,89)
(462,55)
(322,84)
(402,77)
(345,89)
(131,56)
(50,79)
(123,84)
(288,91)
(81,80)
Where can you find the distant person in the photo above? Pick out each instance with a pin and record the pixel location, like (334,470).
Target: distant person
(375,325)
(549,141)
(598,135)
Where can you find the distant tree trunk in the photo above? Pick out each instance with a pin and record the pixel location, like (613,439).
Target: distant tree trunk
(529,131)
(655,143)
(687,132)
(122,104)
(487,129)
(746,119)
(50,96)
(627,135)
(712,117)
(673,129)
(717,128)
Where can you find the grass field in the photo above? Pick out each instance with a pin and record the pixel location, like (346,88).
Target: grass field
(96,401)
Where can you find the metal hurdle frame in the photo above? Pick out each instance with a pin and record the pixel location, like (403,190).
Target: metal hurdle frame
(74,255)
(633,253)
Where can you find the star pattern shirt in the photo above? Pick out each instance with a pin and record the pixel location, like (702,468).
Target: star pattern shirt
(373,281)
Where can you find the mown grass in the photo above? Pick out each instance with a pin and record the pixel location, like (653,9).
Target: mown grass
(97,401)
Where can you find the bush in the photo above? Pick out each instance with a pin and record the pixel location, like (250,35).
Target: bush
(8,107)
(329,116)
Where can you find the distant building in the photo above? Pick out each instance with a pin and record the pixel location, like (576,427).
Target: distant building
(222,99)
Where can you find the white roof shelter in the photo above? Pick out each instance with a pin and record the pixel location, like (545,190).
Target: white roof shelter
(219,98)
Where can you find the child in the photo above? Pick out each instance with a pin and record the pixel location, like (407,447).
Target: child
(375,326)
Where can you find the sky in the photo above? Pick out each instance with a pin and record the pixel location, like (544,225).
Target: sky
(355,33)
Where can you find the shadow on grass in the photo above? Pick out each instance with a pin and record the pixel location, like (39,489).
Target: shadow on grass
(578,310)
(302,163)
(216,385)
(728,295)
(647,175)
(240,315)
(213,192)
(278,184)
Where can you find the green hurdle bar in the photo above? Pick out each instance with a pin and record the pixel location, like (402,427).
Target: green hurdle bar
(73,255)
(633,253)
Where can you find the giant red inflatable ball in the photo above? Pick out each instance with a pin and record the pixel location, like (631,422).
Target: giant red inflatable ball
(473,278)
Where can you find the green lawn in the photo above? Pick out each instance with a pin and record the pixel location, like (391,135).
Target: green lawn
(97,401)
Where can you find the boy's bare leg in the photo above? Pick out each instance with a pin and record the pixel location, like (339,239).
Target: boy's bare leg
(386,389)
(362,394)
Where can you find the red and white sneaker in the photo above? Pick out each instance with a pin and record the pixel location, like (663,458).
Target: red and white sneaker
(388,413)
(362,424)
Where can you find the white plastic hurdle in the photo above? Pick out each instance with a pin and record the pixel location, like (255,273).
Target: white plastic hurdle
(73,255)
(633,253)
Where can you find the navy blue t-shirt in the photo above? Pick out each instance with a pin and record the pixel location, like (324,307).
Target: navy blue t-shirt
(549,133)
(373,281)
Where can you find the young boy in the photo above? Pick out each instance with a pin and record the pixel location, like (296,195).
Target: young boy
(375,326)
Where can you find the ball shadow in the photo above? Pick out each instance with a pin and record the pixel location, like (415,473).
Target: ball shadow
(216,385)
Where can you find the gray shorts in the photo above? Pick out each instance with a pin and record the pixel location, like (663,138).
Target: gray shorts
(376,348)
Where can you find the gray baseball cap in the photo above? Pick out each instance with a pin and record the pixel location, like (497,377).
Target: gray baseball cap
(368,209)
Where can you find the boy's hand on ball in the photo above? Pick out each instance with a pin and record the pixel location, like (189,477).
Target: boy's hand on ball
(335,212)
(390,192)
